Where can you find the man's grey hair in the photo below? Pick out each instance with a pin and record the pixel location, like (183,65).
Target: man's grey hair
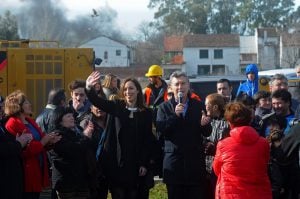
(177,74)
(278,77)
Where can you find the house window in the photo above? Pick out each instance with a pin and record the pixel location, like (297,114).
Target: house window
(203,69)
(118,52)
(203,54)
(218,54)
(218,70)
(105,55)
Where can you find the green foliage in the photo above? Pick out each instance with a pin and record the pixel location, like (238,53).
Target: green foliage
(8,27)
(159,191)
(221,16)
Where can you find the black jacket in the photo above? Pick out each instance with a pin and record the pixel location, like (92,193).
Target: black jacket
(184,160)
(11,168)
(44,118)
(291,153)
(128,141)
(73,161)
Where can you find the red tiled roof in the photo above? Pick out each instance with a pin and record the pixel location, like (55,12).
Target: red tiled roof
(173,43)
(215,40)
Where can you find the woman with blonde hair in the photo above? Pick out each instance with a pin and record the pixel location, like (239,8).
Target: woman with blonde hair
(241,160)
(110,85)
(18,111)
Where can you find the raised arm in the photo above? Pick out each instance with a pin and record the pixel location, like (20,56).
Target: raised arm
(99,102)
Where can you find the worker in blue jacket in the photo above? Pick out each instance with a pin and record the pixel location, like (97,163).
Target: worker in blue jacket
(250,86)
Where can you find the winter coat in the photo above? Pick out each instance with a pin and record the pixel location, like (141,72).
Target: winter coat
(184,159)
(241,164)
(11,168)
(128,141)
(259,124)
(152,100)
(44,118)
(36,176)
(80,113)
(291,149)
(249,87)
(71,157)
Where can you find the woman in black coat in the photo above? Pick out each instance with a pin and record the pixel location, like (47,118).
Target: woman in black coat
(129,131)
(11,168)
(73,160)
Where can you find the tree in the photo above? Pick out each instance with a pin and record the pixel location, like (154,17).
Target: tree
(179,17)
(8,27)
(294,21)
(220,16)
(146,31)
(222,19)
(267,13)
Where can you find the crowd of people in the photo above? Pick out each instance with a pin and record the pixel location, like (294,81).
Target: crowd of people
(116,138)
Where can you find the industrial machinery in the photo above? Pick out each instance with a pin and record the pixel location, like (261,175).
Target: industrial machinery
(35,67)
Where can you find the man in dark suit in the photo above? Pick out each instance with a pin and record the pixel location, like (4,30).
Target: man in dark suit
(183,124)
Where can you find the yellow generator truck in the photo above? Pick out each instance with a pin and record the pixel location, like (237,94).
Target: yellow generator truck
(36,69)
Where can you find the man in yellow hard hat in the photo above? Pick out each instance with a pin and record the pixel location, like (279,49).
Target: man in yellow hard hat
(156,91)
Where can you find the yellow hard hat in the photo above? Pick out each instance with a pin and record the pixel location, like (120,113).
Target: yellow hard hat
(154,70)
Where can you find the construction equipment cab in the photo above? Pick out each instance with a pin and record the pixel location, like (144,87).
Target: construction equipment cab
(35,67)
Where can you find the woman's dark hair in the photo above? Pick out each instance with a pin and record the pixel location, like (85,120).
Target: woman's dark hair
(56,117)
(140,97)
(261,95)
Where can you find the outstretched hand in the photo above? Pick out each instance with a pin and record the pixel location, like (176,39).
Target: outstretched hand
(92,79)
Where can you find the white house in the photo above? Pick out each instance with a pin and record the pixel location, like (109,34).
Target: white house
(211,54)
(112,53)
(268,51)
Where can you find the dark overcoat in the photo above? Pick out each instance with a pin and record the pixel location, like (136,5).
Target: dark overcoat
(184,160)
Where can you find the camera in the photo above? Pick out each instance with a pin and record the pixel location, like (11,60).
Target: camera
(293,121)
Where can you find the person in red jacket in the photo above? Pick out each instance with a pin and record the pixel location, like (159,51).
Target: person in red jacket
(18,111)
(241,160)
